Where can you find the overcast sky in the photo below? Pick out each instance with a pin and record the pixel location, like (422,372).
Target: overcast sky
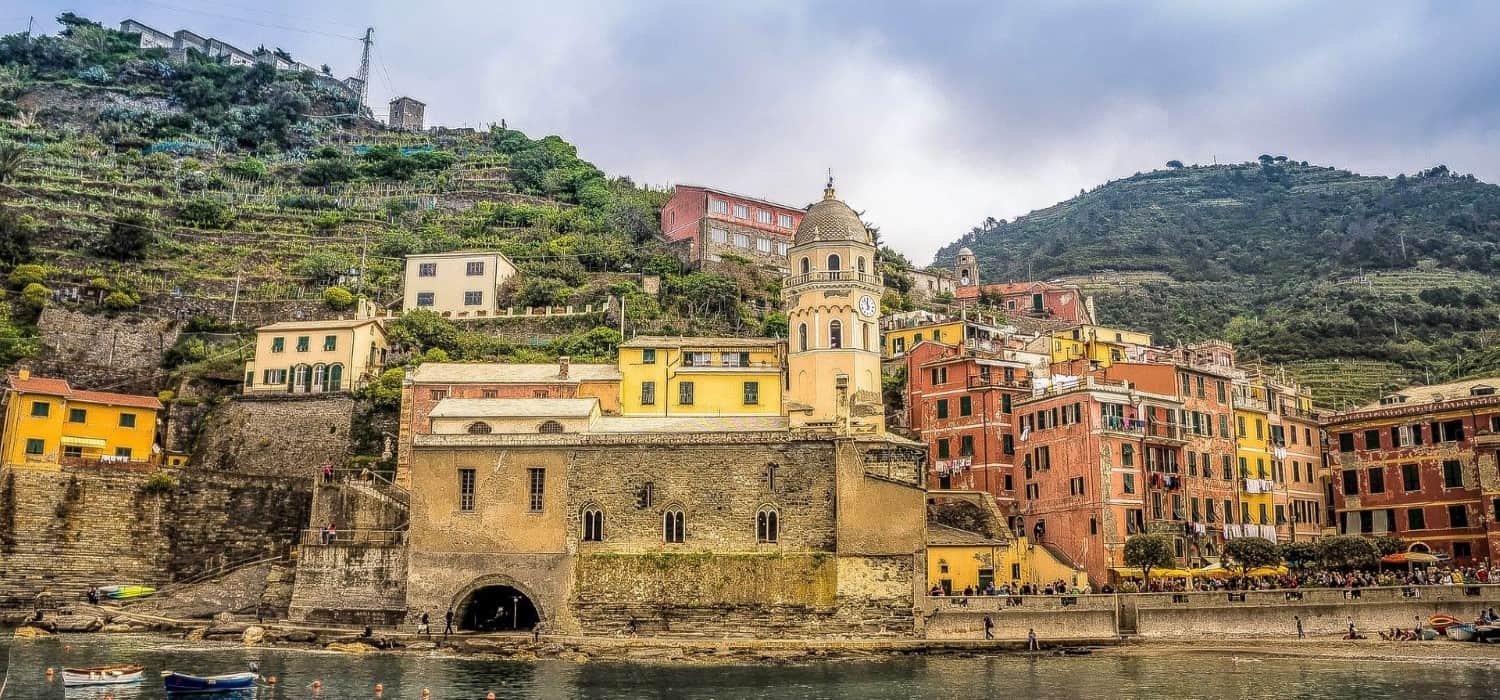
(931,118)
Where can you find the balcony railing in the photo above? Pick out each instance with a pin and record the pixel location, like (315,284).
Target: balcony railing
(834,276)
(986,381)
(1250,402)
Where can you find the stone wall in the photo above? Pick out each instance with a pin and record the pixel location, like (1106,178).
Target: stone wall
(126,341)
(1270,613)
(283,436)
(351,584)
(1053,618)
(215,518)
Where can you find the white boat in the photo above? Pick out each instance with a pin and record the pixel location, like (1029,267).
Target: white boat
(101,675)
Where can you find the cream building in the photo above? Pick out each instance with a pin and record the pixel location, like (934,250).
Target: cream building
(457,284)
(309,357)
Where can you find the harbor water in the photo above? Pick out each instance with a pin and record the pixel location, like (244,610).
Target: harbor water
(1113,674)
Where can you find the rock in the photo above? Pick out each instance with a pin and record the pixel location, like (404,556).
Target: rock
(29,632)
(77,623)
(350,647)
(549,650)
(482,646)
(195,634)
(230,629)
(253,635)
(421,646)
(300,636)
(574,656)
(116,627)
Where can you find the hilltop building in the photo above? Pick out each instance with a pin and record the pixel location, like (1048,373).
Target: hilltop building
(406,114)
(178,43)
(456,284)
(1421,464)
(49,424)
(1043,300)
(313,357)
(704,224)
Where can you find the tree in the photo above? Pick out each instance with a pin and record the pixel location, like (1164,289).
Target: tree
(385,391)
(322,266)
(1266,159)
(774,325)
(36,295)
(1251,552)
(16,230)
(1388,544)
(1174,164)
(127,239)
(23,275)
(338,298)
(1299,554)
(540,291)
(12,157)
(1346,552)
(421,330)
(1147,552)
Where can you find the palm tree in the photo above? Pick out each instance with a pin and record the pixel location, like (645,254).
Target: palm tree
(12,157)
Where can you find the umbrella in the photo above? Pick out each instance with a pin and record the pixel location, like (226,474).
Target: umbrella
(1132,572)
(1278,570)
(1409,558)
(1214,571)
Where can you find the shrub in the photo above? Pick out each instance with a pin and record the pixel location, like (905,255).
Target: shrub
(385,391)
(95,75)
(16,230)
(120,301)
(26,275)
(205,213)
(159,483)
(36,295)
(310,202)
(127,238)
(338,298)
(540,292)
(321,173)
(248,167)
(327,221)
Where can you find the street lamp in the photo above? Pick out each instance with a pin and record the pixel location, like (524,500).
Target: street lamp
(515,602)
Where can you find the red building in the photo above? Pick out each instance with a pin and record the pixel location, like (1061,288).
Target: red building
(961,403)
(1047,300)
(703,224)
(1420,464)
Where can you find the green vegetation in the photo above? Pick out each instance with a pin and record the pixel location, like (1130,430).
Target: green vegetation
(1246,553)
(1346,552)
(1149,551)
(1293,263)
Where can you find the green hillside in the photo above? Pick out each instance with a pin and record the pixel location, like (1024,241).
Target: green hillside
(1294,263)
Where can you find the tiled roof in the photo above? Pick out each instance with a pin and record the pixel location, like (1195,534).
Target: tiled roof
(938,534)
(514,408)
(831,220)
(60,387)
(317,325)
(689,424)
(1436,393)
(661,341)
(496,373)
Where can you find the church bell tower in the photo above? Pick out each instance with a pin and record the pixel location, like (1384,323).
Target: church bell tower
(832,302)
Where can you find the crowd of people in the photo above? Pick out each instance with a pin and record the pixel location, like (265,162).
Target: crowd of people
(1296,578)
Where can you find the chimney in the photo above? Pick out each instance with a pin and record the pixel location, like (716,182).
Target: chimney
(24,374)
(562,367)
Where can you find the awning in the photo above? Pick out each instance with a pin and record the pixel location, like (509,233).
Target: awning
(91,443)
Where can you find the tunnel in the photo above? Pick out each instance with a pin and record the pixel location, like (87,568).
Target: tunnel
(497,609)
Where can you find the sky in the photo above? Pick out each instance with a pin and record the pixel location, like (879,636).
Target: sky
(932,116)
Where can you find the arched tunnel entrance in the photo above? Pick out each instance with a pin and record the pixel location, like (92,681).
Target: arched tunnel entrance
(497,609)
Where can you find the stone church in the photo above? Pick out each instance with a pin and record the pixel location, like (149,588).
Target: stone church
(543,505)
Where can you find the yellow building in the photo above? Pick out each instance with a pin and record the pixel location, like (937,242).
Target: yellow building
(1259,481)
(701,376)
(900,339)
(48,423)
(309,357)
(1098,344)
(959,559)
(832,301)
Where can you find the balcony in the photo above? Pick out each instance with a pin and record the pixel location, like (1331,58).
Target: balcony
(1165,432)
(1127,426)
(1251,403)
(1486,438)
(996,381)
(834,276)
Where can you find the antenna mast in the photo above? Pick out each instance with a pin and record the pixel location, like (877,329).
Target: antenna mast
(364,69)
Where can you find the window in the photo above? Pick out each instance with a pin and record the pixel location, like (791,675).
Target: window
(40,409)
(1458,516)
(78,415)
(833,263)
(1228,468)
(762,216)
(1448,431)
(685,393)
(478,428)
(127,420)
(1223,425)
(466,490)
(423,299)
(1411,478)
(1075,486)
(1346,442)
(1377,480)
(942,448)
(473,298)
(752,393)
(835,334)
(648,356)
(781,249)
(474,268)
(805,265)
(802,334)
(1008,444)
(1416,519)
(763,245)
(784,220)
(966,446)
(437,394)
(1005,403)
(671,526)
(965,406)
(550,427)
(1462,550)
(72,451)
(718,235)
(1351,482)
(593,524)
(718,206)
(1372,439)
(1219,386)
(427,270)
(1240,424)
(278,343)
(648,393)
(741,240)
(942,409)
(741,211)
(766,525)
(123,452)
(35,446)
(304,343)
(1127,455)
(1128,483)
(1453,474)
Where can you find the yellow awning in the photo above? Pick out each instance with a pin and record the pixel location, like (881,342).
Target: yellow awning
(92,443)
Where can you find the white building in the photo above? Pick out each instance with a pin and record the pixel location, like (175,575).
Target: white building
(456,284)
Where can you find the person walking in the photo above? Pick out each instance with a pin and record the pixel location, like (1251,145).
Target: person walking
(424,625)
(448,623)
(1300,634)
(989,627)
(1031,643)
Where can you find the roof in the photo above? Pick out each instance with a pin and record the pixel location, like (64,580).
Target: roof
(663,341)
(317,325)
(495,373)
(408,99)
(748,198)
(689,424)
(1435,393)
(514,408)
(831,220)
(457,254)
(939,534)
(60,387)
(966,251)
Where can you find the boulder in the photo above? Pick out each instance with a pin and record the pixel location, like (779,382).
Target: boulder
(29,632)
(549,650)
(574,656)
(350,647)
(77,623)
(195,634)
(300,636)
(116,627)
(421,646)
(228,629)
(253,635)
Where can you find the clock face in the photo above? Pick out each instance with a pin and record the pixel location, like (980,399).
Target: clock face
(867,305)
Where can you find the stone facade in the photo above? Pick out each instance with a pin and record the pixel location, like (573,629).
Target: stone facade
(128,341)
(283,435)
(350,584)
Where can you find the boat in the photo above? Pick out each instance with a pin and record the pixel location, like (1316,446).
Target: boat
(1487,633)
(101,675)
(128,592)
(1440,622)
(187,683)
(1461,632)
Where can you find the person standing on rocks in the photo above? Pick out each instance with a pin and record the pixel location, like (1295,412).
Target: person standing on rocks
(1031,642)
(989,627)
(1300,634)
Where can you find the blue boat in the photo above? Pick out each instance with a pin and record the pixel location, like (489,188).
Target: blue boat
(183,683)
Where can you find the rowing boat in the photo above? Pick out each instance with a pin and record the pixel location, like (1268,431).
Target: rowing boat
(102,675)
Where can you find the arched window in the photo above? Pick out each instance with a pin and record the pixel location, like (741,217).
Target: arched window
(479,428)
(300,375)
(550,426)
(833,263)
(671,525)
(864,329)
(860,264)
(336,377)
(319,376)
(767,525)
(806,266)
(593,524)
(835,334)
(802,337)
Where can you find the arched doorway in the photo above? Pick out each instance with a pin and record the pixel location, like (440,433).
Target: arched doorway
(496,608)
